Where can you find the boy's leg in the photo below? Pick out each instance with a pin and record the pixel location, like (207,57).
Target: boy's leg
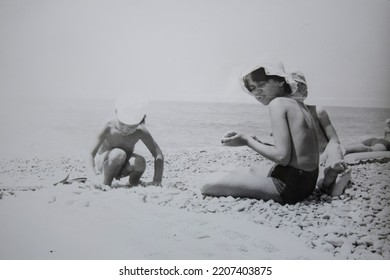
(113,163)
(333,153)
(240,184)
(358,148)
(320,178)
(377,147)
(335,166)
(134,168)
(137,168)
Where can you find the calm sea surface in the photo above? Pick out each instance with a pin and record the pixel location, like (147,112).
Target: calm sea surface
(52,126)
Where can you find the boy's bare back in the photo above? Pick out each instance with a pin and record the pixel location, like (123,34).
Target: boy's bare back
(302,130)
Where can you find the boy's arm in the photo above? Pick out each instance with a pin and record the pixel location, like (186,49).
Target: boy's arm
(327,126)
(91,155)
(155,150)
(333,150)
(280,151)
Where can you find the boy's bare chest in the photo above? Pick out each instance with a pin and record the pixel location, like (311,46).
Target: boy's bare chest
(115,139)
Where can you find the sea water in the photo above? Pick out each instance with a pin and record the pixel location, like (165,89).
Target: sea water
(50,126)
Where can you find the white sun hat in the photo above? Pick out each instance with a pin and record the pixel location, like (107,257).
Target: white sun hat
(298,85)
(296,80)
(271,68)
(131,111)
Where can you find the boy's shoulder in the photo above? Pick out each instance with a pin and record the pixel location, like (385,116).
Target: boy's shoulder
(106,126)
(143,130)
(283,102)
(109,124)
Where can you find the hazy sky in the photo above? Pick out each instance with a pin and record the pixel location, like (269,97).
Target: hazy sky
(192,49)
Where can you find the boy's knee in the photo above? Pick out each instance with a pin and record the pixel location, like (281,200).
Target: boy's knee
(210,188)
(117,156)
(205,189)
(377,148)
(138,163)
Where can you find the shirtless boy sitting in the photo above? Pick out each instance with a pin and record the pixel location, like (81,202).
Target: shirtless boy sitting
(295,151)
(113,154)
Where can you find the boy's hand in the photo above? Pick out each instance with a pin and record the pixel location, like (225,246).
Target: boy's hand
(95,181)
(234,139)
(229,134)
(153,183)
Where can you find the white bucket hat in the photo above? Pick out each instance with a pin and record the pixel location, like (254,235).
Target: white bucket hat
(298,85)
(131,111)
(270,67)
(296,80)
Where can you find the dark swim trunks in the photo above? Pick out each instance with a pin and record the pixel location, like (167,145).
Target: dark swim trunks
(373,141)
(293,184)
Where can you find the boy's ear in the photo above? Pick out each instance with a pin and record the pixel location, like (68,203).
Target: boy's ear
(281,84)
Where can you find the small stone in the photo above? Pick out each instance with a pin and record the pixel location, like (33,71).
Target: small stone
(346,249)
(365,240)
(291,207)
(211,209)
(327,247)
(227,199)
(335,241)
(239,208)
(376,207)
(274,207)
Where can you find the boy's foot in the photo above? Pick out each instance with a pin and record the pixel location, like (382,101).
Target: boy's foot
(102,187)
(341,182)
(331,172)
(138,183)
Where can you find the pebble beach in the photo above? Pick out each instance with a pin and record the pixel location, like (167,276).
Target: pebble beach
(355,225)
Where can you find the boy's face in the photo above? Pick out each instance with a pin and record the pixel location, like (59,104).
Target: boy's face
(263,91)
(126,129)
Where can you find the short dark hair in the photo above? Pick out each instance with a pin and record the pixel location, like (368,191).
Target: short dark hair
(259,75)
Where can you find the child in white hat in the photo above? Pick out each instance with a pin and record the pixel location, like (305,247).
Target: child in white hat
(113,155)
(295,149)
